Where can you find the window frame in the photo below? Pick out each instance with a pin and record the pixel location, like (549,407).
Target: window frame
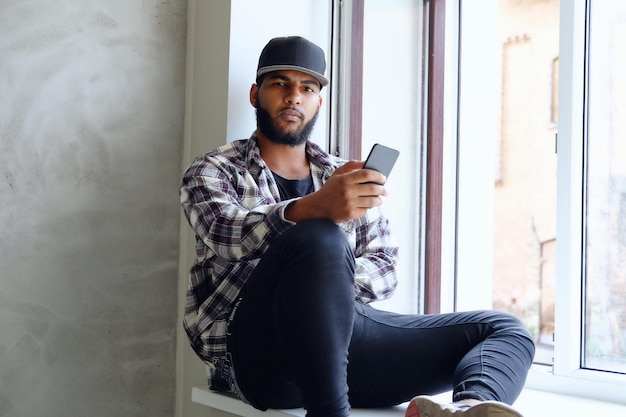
(442,31)
(346,123)
(566,375)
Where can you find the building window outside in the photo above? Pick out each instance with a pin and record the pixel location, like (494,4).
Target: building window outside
(554,108)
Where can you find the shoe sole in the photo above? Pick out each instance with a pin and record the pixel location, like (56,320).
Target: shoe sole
(426,407)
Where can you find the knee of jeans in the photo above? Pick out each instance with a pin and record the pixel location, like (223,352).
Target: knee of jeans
(515,326)
(322,243)
(321,234)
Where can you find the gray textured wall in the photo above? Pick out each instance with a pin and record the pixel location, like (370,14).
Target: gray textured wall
(91,129)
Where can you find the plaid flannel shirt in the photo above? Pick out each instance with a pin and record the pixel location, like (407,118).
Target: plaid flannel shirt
(232,203)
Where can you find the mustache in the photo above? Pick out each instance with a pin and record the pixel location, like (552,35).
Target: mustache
(266,125)
(293,109)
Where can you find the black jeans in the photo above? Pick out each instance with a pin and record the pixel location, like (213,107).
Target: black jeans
(298,338)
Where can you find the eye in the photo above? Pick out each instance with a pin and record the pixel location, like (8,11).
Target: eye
(310,90)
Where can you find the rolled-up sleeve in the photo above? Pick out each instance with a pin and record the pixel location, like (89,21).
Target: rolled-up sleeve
(376,258)
(230,214)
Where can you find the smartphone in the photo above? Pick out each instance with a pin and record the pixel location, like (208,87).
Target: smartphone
(382,159)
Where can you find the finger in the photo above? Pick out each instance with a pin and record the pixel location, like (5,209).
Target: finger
(370,175)
(372,189)
(370,201)
(349,167)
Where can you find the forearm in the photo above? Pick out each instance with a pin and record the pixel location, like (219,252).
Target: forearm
(306,208)
(228,228)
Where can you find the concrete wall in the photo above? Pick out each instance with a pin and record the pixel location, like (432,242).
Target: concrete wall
(91,132)
(101,109)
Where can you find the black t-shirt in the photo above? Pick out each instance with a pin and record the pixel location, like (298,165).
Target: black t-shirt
(293,188)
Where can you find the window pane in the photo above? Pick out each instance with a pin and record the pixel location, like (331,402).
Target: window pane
(507,161)
(392,115)
(605,333)
(525,183)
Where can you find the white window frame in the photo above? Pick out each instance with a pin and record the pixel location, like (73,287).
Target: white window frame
(407,298)
(567,376)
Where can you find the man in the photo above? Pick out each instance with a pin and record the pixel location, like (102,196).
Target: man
(291,248)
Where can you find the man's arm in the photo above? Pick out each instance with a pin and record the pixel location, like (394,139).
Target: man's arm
(233,217)
(347,195)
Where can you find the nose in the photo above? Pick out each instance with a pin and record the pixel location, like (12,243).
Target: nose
(293,96)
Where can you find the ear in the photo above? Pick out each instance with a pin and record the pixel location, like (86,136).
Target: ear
(254,95)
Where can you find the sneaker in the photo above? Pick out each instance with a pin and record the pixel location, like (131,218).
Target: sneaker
(424,406)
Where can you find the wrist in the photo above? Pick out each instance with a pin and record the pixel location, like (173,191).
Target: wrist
(300,210)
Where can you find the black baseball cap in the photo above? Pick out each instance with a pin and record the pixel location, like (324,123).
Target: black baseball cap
(293,53)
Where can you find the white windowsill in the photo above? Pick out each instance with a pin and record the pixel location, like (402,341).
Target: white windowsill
(531,403)
(203,395)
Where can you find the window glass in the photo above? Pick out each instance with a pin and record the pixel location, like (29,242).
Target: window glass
(525,186)
(507,162)
(605,295)
(392,94)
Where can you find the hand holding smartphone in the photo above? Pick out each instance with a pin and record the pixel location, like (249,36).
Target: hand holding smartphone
(382,159)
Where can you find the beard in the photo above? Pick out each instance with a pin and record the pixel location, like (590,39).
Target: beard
(267,126)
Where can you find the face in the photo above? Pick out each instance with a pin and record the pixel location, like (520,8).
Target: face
(287,104)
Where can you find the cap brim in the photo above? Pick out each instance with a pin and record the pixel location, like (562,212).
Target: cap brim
(319,77)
